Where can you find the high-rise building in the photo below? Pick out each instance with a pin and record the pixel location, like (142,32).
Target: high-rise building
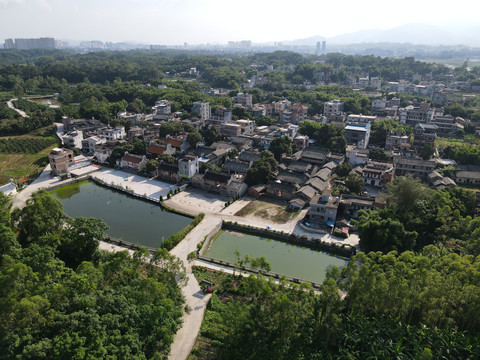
(318,48)
(324,46)
(28,44)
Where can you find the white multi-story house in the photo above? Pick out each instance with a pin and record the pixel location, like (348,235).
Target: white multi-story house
(162,107)
(203,109)
(89,144)
(333,107)
(243,99)
(188,166)
(73,139)
(117,133)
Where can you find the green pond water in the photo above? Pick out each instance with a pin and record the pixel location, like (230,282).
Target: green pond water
(129,219)
(284,258)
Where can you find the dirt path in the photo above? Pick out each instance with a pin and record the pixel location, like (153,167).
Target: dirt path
(21,112)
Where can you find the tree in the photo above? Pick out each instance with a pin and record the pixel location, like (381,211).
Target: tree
(232,154)
(382,128)
(80,240)
(262,170)
(405,191)
(337,144)
(378,154)
(42,215)
(281,145)
(211,134)
(354,182)
(137,106)
(343,169)
(151,165)
(380,231)
(427,152)
(5,207)
(194,138)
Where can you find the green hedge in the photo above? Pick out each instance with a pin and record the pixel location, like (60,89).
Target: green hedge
(174,239)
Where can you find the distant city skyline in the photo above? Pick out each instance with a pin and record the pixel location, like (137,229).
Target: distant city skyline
(174,22)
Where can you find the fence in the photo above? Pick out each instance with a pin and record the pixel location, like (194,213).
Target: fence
(127,245)
(342,250)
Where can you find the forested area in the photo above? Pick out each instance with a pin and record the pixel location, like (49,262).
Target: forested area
(63,298)
(104,83)
(408,307)
(416,216)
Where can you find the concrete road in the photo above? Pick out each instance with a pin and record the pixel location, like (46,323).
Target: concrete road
(196,300)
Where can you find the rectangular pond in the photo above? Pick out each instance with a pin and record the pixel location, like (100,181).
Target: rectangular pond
(284,258)
(129,219)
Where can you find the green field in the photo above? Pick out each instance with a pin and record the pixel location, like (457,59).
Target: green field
(16,166)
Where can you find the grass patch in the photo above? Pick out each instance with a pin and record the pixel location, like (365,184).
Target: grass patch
(248,209)
(268,211)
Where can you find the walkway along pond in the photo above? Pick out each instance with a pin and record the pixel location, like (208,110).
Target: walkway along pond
(130,219)
(289,255)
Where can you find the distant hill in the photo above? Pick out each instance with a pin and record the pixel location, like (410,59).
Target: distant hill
(418,34)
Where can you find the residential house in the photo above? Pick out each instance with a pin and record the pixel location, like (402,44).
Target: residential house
(439,182)
(302,198)
(357,156)
(296,114)
(446,124)
(103,151)
(117,133)
(162,107)
(220,115)
(394,141)
(223,183)
(358,134)
(378,174)
(60,160)
(236,167)
(155,150)
(89,144)
(412,115)
(132,162)
(360,119)
(136,131)
(188,166)
(203,109)
(179,143)
(468,174)
(168,172)
(323,209)
(417,167)
(424,134)
(243,99)
(333,107)
(249,156)
(314,156)
(285,191)
(73,139)
(356,203)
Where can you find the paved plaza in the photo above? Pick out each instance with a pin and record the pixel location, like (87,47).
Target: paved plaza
(139,184)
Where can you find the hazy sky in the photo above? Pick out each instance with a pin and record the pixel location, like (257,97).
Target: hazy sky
(217,21)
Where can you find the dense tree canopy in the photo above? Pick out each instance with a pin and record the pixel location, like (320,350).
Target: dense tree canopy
(262,170)
(60,297)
